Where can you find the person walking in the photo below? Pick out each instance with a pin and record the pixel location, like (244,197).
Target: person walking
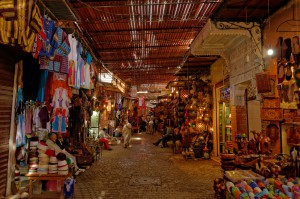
(127,133)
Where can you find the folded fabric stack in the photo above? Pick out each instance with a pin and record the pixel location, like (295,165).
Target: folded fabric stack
(43,158)
(53,165)
(33,158)
(62,167)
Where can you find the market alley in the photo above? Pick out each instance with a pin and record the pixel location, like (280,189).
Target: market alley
(147,171)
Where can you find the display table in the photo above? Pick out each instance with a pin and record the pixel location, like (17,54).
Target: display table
(33,177)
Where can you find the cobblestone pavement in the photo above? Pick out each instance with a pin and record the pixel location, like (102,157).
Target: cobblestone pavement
(148,172)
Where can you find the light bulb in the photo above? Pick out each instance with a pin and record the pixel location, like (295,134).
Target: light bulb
(270,51)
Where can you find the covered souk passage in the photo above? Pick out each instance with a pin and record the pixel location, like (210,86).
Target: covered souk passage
(147,171)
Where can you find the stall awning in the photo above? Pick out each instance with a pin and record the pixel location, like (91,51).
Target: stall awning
(216,37)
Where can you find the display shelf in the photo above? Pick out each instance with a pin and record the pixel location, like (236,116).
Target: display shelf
(292,144)
(36,176)
(291,123)
(48,195)
(237,175)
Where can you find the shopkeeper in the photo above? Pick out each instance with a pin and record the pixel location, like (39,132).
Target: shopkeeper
(51,142)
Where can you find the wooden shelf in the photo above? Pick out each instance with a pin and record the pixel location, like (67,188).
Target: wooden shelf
(48,194)
(291,123)
(293,144)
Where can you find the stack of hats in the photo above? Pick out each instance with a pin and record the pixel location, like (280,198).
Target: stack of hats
(33,162)
(33,157)
(53,165)
(62,166)
(33,143)
(43,158)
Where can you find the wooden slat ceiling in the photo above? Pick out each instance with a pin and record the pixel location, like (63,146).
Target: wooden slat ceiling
(143,41)
(146,41)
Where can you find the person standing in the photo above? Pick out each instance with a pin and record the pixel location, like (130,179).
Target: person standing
(127,133)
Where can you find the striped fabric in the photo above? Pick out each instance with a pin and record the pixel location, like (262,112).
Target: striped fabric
(61,49)
(19,22)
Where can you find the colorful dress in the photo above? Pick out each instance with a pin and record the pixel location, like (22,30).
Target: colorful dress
(60,104)
(72,58)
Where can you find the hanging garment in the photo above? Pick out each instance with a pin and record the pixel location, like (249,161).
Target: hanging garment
(47,51)
(60,98)
(60,121)
(39,40)
(80,68)
(28,119)
(72,58)
(62,49)
(36,123)
(72,73)
(19,24)
(73,48)
(20,137)
(54,81)
(89,59)
(44,116)
(87,78)
(42,85)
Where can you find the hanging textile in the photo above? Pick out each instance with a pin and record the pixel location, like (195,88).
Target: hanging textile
(86,83)
(72,58)
(47,51)
(39,40)
(19,23)
(80,79)
(60,104)
(54,81)
(42,84)
(62,49)
(20,135)
(28,118)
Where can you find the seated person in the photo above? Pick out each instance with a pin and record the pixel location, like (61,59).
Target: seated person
(60,141)
(177,139)
(104,138)
(51,142)
(188,153)
(165,138)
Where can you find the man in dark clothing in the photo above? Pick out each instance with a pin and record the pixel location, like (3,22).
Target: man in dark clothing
(165,138)
(61,142)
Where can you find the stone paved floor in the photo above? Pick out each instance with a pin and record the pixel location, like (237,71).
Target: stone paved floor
(117,174)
